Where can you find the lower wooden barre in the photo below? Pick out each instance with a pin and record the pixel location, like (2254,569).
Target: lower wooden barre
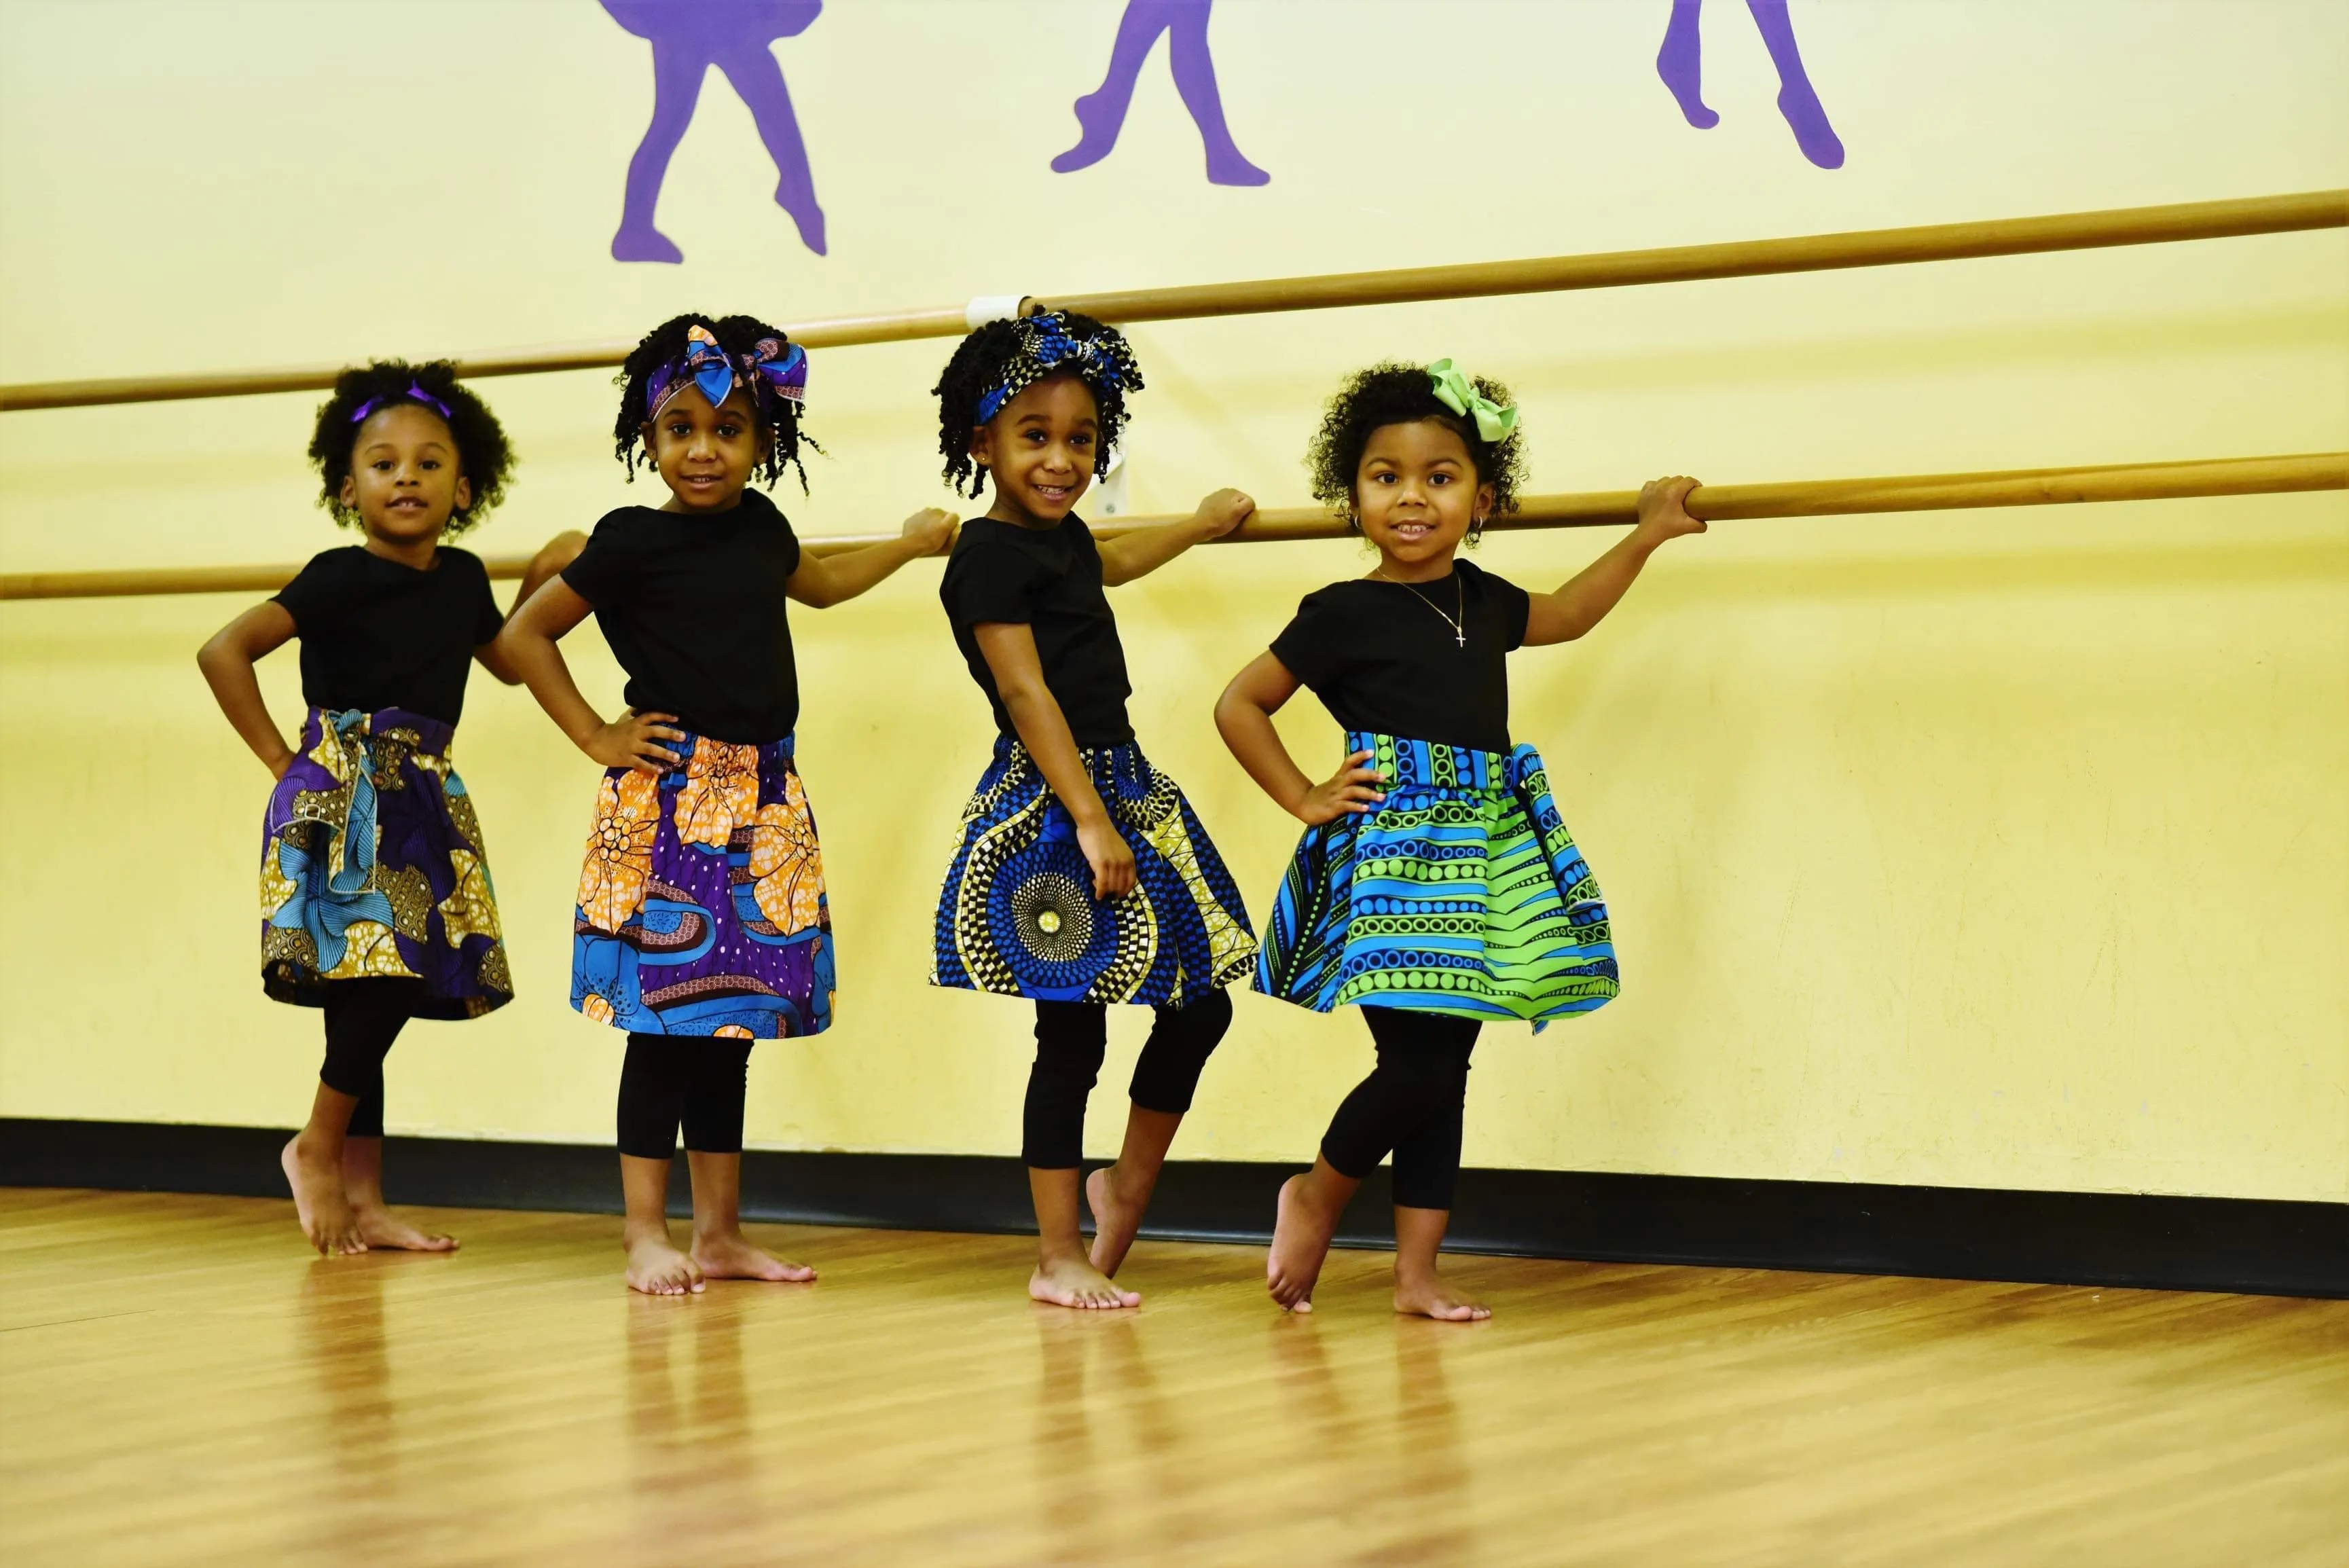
(1595,508)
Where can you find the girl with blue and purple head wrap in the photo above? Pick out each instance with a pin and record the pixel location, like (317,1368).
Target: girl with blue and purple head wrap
(702,924)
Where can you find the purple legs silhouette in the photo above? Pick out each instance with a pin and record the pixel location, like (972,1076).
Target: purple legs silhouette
(1681,64)
(689,36)
(1102,113)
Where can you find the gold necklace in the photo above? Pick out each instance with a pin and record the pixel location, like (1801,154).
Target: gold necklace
(1459,624)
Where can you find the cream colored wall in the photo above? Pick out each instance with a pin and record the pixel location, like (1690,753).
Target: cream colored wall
(1997,849)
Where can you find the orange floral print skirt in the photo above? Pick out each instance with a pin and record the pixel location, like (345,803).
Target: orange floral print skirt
(701,908)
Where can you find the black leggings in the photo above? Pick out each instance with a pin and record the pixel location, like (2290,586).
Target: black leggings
(689,1080)
(1071,1038)
(1410,1106)
(362,1019)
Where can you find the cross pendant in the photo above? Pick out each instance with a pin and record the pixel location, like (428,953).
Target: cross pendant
(1460,637)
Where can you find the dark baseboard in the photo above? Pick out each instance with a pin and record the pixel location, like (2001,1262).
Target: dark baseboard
(1954,1232)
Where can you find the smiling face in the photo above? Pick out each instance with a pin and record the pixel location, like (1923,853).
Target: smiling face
(1039,449)
(405,480)
(705,455)
(1416,493)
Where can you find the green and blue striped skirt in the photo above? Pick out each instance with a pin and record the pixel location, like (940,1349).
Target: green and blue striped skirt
(1461,893)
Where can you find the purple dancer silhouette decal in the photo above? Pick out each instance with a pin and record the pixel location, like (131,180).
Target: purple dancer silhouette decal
(1102,113)
(689,36)
(1681,66)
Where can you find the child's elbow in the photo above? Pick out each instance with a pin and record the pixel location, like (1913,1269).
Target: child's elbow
(1021,699)
(814,589)
(1234,708)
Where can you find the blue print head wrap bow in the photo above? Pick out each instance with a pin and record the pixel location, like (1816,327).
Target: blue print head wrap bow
(1103,361)
(1457,393)
(773,368)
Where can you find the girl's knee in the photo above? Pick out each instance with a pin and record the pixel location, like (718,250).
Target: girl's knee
(1206,1018)
(1181,1041)
(1072,1039)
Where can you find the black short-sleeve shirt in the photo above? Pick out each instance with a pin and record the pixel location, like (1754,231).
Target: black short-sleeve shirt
(1381,663)
(693,607)
(1048,580)
(376,635)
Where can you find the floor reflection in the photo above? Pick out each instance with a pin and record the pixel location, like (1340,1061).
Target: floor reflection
(1113,1460)
(339,1328)
(1431,1464)
(689,1420)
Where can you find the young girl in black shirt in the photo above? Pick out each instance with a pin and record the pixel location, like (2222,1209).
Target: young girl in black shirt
(701,925)
(375,886)
(1435,886)
(1081,876)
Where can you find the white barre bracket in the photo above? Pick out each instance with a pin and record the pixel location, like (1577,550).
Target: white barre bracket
(985,308)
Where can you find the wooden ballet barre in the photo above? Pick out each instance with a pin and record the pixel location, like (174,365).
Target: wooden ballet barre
(1594,509)
(1613,269)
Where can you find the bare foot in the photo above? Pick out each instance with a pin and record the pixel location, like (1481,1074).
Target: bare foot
(1115,1222)
(379,1227)
(318,1198)
(656,1268)
(731,1255)
(1074,1282)
(1300,1241)
(1427,1295)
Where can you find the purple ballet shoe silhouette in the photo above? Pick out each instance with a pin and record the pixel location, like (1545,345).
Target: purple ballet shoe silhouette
(1101,114)
(801,205)
(1226,166)
(1098,121)
(1680,66)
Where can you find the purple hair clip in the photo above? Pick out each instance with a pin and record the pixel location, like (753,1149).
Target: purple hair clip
(414,392)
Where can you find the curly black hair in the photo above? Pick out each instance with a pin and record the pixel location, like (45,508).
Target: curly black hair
(978,367)
(738,335)
(1392,393)
(483,456)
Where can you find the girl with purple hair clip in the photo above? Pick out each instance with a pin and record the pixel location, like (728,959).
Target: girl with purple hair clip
(375,886)
(701,925)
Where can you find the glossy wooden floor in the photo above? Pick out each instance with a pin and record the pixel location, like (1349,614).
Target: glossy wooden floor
(179,1383)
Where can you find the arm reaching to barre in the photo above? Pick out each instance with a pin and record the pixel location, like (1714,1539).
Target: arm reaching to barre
(1582,601)
(821,582)
(1145,550)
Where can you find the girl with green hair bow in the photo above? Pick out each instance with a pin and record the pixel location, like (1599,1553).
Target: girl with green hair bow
(1436,887)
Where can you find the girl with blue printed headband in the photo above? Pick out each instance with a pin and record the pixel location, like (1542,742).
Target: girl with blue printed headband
(376,905)
(701,925)
(1436,887)
(1080,876)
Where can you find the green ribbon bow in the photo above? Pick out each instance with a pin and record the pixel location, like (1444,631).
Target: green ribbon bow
(1457,393)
